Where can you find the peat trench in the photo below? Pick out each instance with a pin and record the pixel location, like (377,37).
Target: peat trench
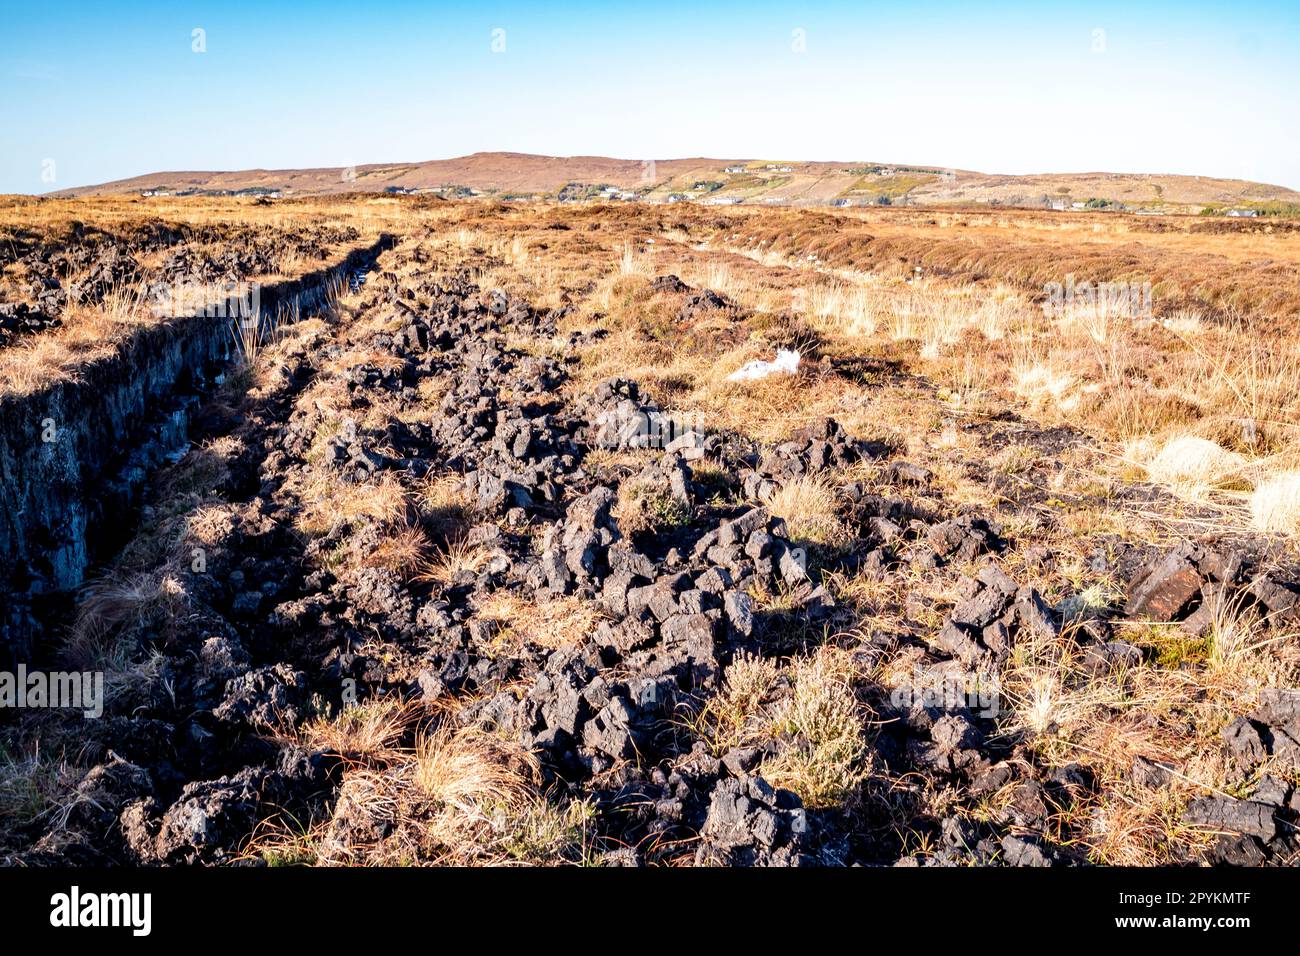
(76,457)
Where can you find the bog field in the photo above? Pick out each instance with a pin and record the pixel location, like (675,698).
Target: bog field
(367,529)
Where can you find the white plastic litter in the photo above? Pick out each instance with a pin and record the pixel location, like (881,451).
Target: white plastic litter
(786,363)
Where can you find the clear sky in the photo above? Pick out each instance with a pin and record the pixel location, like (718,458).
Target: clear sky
(91,92)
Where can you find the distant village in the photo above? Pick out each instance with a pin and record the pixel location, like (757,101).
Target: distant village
(714,192)
(267,192)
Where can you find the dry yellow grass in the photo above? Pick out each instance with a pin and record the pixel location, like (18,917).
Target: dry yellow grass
(455,797)
(1193,466)
(444,505)
(111,604)
(367,732)
(819,719)
(465,768)
(635,262)
(87,335)
(453,558)
(548,622)
(1275,504)
(404,550)
(328,502)
(1101,366)
(732,717)
(826,760)
(810,510)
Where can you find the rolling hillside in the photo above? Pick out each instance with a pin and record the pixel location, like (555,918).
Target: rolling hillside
(773,181)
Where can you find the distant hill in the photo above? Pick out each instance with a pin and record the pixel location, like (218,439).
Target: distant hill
(723,181)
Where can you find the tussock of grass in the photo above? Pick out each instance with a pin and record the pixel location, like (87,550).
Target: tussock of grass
(649,506)
(1041,383)
(33,785)
(444,507)
(112,605)
(635,263)
(210,524)
(825,761)
(455,557)
(1236,629)
(731,717)
(1192,466)
(367,732)
(404,550)
(810,510)
(461,769)
(812,708)
(328,502)
(1275,504)
(456,797)
(1185,322)
(548,622)
(839,308)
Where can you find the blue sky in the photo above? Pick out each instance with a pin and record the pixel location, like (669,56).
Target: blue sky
(94,92)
